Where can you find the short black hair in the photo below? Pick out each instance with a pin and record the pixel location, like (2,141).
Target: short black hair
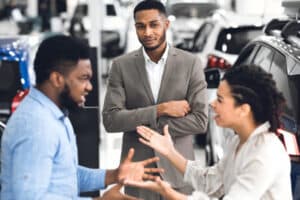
(253,85)
(58,53)
(148,5)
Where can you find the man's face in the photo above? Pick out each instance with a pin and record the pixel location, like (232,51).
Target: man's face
(151,27)
(77,86)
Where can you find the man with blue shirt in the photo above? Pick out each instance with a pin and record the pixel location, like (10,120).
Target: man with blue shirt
(39,153)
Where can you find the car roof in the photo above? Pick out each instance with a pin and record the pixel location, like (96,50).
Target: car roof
(231,19)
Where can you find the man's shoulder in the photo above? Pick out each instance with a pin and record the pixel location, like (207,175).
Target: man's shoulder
(182,53)
(128,56)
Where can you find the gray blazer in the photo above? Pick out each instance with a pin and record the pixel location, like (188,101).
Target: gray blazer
(129,102)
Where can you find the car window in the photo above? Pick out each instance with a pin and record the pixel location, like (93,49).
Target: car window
(201,37)
(9,80)
(247,55)
(110,10)
(232,40)
(81,10)
(290,87)
(264,58)
(189,10)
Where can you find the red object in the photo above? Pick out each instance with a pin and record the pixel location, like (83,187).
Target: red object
(17,99)
(217,62)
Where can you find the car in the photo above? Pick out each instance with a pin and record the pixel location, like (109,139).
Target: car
(186,16)
(114,27)
(221,37)
(277,52)
(16,71)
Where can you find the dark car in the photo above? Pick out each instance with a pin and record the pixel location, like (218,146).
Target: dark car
(278,52)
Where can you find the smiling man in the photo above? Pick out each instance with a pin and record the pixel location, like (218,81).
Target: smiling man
(39,153)
(153,86)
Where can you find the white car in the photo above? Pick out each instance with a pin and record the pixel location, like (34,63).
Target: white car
(220,38)
(114,27)
(186,16)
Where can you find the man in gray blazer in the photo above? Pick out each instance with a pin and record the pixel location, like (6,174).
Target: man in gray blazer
(156,85)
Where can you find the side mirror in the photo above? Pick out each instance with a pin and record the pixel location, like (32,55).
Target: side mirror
(212,77)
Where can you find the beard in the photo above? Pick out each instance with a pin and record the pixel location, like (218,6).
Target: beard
(67,101)
(162,39)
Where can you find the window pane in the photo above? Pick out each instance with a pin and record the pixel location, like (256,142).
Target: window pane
(232,40)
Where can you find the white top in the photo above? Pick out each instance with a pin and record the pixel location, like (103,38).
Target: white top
(260,170)
(155,71)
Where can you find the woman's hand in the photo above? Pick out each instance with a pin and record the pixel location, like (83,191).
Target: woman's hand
(163,144)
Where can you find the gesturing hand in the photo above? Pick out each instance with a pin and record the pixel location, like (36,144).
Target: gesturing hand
(136,171)
(115,194)
(163,144)
(157,185)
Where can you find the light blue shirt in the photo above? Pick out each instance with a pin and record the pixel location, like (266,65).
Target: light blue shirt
(39,155)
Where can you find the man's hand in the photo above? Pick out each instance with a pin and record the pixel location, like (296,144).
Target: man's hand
(159,186)
(136,171)
(115,194)
(173,108)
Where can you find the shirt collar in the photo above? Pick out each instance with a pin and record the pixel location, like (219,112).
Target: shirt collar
(261,129)
(163,58)
(46,102)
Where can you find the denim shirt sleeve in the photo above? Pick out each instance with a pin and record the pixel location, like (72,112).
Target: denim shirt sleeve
(90,179)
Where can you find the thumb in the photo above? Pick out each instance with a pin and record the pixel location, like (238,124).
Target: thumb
(129,155)
(166,130)
(117,187)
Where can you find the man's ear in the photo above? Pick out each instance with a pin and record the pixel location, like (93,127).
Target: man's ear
(167,23)
(57,79)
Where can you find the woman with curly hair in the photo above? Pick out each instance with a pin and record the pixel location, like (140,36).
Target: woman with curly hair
(256,165)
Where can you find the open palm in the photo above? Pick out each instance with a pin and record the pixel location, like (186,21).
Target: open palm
(160,143)
(136,171)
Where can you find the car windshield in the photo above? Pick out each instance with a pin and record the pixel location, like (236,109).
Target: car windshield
(232,40)
(191,10)
(9,80)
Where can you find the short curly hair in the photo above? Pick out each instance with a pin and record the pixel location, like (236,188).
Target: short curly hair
(252,85)
(58,53)
(148,5)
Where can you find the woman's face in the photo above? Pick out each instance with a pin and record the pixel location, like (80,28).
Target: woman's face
(227,114)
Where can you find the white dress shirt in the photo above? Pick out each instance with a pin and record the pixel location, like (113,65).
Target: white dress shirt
(155,71)
(260,170)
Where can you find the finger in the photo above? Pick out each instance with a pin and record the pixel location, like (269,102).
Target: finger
(129,155)
(154,170)
(117,187)
(145,142)
(166,130)
(149,177)
(142,131)
(140,184)
(188,108)
(149,161)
